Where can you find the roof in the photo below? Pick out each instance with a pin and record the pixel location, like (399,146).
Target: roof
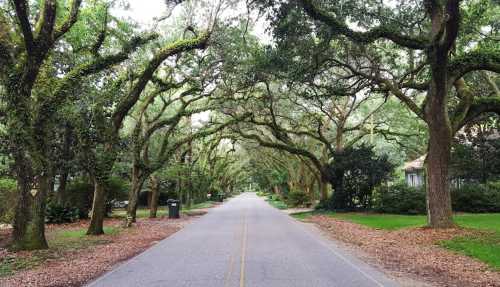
(415,164)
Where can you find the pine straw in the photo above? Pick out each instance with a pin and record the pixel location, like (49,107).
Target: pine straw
(74,267)
(412,252)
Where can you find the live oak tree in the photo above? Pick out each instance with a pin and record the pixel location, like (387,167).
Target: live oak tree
(417,50)
(315,121)
(120,96)
(35,89)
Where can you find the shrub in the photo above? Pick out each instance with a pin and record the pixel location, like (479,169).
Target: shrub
(477,197)
(58,214)
(7,199)
(400,199)
(298,198)
(80,192)
(273,197)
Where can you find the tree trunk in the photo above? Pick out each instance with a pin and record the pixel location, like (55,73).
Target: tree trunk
(138,179)
(339,198)
(98,208)
(66,156)
(155,193)
(29,220)
(61,190)
(323,188)
(439,211)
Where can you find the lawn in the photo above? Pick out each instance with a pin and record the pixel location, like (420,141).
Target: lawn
(277,203)
(484,245)
(59,241)
(484,221)
(162,210)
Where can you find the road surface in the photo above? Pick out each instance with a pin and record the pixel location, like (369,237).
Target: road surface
(244,243)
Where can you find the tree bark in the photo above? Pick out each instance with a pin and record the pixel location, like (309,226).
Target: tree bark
(339,198)
(61,190)
(323,187)
(155,193)
(439,210)
(29,220)
(98,208)
(138,179)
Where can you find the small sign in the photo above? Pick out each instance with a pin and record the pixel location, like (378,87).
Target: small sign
(174,204)
(33,192)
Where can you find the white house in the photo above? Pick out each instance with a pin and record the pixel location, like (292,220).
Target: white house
(415,172)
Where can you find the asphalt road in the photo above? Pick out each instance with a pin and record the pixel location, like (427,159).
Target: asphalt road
(244,243)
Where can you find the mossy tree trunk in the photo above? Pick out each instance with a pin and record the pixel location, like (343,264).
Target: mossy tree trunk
(155,194)
(96,226)
(138,178)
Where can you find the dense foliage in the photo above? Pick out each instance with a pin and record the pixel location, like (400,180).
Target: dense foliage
(95,107)
(356,172)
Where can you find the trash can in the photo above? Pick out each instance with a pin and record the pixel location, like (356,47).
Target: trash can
(174,207)
(220,197)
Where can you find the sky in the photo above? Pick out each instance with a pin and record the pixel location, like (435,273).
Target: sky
(144,12)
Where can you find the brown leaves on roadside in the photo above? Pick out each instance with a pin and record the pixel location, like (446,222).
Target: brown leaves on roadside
(74,267)
(413,252)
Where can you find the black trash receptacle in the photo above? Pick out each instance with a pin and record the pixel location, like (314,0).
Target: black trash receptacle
(174,207)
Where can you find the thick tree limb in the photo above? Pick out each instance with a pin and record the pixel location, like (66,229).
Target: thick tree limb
(474,61)
(70,19)
(480,105)
(381,32)
(283,147)
(21,7)
(98,64)
(45,26)
(172,49)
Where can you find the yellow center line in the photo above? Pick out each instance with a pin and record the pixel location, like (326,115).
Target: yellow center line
(243,251)
(230,271)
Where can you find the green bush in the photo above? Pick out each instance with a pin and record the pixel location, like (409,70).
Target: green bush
(261,193)
(80,192)
(298,198)
(7,199)
(273,197)
(400,199)
(57,213)
(477,198)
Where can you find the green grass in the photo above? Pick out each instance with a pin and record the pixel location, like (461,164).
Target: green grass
(384,221)
(202,205)
(140,213)
(277,204)
(162,210)
(81,233)
(59,241)
(486,221)
(10,265)
(483,245)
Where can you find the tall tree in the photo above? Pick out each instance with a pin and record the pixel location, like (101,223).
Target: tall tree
(417,48)
(36,87)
